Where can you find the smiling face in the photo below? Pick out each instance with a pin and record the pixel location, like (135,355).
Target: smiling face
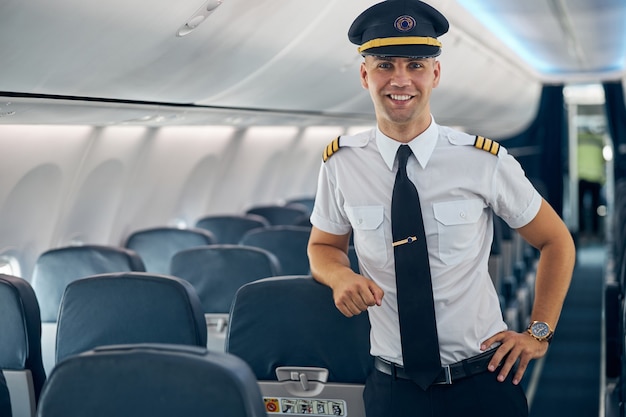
(400,89)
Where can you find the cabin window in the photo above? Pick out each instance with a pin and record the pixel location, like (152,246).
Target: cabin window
(9,265)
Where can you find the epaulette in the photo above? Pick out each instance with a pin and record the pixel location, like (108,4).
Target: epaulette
(343,141)
(331,148)
(479,142)
(488,145)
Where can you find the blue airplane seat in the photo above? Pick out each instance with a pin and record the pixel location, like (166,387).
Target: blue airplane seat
(56,268)
(156,380)
(20,345)
(5,398)
(303,351)
(288,243)
(277,214)
(307,202)
(613,327)
(354,259)
(217,272)
(157,245)
(229,228)
(131,307)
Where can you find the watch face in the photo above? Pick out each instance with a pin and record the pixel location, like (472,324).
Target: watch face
(540,329)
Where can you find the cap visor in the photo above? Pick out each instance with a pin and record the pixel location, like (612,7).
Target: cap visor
(408,51)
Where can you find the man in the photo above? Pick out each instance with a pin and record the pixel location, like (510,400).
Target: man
(461,180)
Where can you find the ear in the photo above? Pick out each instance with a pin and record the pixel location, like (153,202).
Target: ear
(364,82)
(437,73)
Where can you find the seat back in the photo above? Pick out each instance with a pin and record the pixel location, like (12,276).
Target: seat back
(56,268)
(288,243)
(157,245)
(217,272)
(354,259)
(230,228)
(279,214)
(151,380)
(20,346)
(131,307)
(307,202)
(303,351)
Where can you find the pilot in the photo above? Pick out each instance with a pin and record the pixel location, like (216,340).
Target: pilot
(438,338)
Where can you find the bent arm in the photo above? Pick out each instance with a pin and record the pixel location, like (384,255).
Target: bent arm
(548,233)
(330,265)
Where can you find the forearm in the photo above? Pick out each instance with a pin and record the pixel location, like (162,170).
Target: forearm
(554,274)
(328,263)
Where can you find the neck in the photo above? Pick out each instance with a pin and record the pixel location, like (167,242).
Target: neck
(404,132)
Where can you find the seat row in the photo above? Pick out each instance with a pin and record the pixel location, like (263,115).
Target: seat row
(215,270)
(157,245)
(285,338)
(511,265)
(615,310)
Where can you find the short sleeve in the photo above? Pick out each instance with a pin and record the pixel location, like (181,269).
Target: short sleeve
(516,200)
(328,213)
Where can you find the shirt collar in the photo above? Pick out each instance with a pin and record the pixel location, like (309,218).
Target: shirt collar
(422,146)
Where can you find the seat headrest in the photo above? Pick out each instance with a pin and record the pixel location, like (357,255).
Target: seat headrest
(56,268)
(157,245)
(131,307)
(217,271)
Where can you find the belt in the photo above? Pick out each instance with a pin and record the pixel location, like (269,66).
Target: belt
(449,373)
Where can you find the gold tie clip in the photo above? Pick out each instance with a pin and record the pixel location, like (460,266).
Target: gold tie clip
(409,239)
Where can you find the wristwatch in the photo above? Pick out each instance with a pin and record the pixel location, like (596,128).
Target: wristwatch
(540,330)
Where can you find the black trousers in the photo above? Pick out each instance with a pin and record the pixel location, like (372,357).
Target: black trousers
(480,395)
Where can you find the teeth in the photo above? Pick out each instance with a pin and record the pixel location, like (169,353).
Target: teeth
(400,97)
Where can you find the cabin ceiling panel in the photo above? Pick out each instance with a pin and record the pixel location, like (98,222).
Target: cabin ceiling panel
(288,56)
(563,40)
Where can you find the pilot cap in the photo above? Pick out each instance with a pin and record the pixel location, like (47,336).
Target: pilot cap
(403,28)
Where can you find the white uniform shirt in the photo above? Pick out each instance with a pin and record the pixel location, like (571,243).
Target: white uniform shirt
(459,186)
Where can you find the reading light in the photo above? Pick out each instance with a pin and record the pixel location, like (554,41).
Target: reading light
(198,17)
(212,5)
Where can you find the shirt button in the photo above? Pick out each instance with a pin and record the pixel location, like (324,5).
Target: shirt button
(462,214)
(360,221)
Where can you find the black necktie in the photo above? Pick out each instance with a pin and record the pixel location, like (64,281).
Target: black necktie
(418,331)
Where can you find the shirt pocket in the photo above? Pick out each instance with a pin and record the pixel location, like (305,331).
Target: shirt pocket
(369,233)
(458,229)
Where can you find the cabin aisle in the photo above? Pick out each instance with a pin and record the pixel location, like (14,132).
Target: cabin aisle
(569,383)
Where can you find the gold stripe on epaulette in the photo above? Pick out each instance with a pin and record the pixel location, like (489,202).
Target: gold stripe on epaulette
(488,145)
(330,149)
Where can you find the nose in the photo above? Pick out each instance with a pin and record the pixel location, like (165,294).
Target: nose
(400,78)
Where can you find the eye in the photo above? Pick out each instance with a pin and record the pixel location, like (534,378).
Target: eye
(384,65)
(416,65)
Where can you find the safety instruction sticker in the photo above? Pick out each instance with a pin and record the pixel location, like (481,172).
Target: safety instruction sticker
(305,407)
